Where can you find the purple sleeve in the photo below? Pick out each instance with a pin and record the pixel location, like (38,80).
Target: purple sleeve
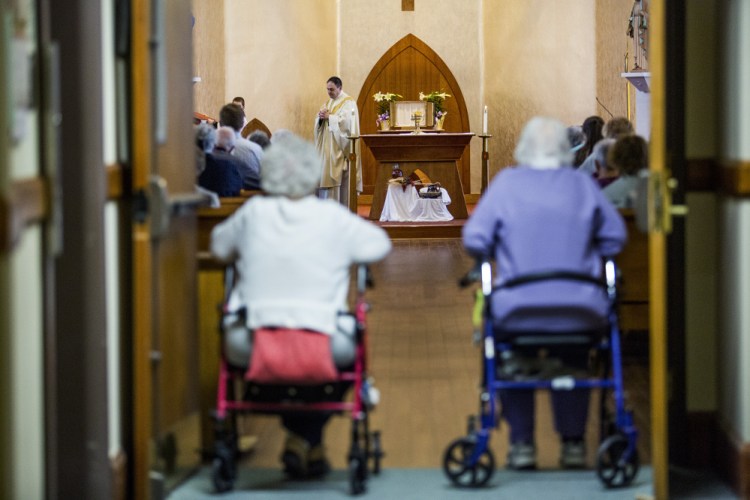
(480,230)
(611,234)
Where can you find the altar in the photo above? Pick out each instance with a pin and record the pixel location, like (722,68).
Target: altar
(435,154)
(404,204)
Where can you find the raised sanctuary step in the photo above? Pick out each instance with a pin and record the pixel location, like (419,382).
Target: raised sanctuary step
(400,230)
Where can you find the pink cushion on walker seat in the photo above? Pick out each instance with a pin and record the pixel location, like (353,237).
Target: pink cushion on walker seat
(289,356)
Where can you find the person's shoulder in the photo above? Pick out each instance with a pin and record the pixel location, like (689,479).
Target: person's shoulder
(254,146)
(224,158)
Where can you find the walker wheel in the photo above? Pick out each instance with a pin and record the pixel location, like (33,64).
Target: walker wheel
(377,452)
(357,473)
(458,469)
(223,469)
(612,466)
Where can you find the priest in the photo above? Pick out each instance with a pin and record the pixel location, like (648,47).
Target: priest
(337,119)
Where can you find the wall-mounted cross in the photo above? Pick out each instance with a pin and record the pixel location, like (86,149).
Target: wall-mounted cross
(407,5)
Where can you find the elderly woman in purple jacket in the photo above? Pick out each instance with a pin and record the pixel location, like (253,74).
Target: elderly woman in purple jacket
(542,215)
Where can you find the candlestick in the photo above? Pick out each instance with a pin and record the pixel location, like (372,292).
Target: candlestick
(484,121)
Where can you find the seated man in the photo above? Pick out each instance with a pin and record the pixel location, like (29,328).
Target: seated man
(293,253)
(221,173)
(536,217)
(248,153)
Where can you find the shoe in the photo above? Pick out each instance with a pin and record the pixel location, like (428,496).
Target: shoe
(294,456)
(573,454)
(317,463)
(522,456)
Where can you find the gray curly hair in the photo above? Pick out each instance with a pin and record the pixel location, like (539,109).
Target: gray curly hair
(290,167)
(601,152)
(205,137)
(543,144)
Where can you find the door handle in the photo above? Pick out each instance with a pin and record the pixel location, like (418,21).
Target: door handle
(162,207)
(654,209)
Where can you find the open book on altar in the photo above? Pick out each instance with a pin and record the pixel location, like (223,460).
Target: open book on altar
(402,114)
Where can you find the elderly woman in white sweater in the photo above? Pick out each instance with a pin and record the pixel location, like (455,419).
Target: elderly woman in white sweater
(293,253)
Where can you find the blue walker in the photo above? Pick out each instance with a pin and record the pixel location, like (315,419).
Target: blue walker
(468,461)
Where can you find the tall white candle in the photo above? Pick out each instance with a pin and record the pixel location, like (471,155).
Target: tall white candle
(484,121)
(351,125)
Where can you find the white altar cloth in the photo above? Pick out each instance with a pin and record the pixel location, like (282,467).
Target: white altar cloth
(403,205)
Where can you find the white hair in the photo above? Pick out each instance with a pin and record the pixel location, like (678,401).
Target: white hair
(225,138)
(543,144)
(290,167)
(280,134)
(205,137)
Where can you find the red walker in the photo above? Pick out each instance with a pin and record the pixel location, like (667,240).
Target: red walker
(275,399)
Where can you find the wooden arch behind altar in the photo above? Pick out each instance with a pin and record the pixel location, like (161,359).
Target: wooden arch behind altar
(253,125)
(409,67)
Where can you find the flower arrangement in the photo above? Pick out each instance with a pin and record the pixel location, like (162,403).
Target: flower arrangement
(436,98)
(383,102)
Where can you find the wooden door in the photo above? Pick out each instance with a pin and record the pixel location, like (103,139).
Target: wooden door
(166,418)
(659,226)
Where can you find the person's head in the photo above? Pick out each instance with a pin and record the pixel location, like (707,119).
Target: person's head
(617,127)
(600,155)
(578,143)
(280,134)
(232,115)
(260,138)
(543,144)
(290,167)
(592,127)
(333,87)
(205,137)
(629,154)
(225,139)
(239,101)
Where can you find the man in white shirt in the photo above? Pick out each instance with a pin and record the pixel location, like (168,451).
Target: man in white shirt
(337,119)
(249,153)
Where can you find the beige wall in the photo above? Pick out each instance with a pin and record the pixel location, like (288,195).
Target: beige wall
(552,58)
(279,54)
(209,57)
(612,43)
(539,60)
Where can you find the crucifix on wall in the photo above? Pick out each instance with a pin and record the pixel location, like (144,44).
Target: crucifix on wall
(407,5)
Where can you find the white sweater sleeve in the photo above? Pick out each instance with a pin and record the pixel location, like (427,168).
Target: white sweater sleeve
(367,242)
(225,237)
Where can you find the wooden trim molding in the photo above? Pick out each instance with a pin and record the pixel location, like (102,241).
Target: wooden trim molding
(25,203)
(734,178)
(728,177)
(253,125)
(702,174)
(115,176)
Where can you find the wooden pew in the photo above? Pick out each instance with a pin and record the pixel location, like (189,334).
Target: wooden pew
(633,264)
(210,217)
